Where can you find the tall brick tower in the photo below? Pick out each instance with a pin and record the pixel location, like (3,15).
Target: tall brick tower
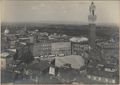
(92,29)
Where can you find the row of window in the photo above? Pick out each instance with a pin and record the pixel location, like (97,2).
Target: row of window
(109,46)
(101,79)
(85,48)
(78,45)
(62,49)
(42,45)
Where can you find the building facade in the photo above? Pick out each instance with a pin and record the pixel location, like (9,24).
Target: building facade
(104,73)
(5,60)
(61,48)
(79,45)
(109,51)
(77,48)
(41,48)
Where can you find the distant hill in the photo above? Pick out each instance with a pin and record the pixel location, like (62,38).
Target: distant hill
(71,30)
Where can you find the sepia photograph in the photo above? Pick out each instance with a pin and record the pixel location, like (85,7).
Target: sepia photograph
(59,42)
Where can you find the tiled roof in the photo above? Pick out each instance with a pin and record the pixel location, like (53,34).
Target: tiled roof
(42,65)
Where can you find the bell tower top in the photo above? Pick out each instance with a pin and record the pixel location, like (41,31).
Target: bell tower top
(92,8)
(92,17)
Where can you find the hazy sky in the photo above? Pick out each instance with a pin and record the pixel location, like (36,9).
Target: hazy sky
(59,11)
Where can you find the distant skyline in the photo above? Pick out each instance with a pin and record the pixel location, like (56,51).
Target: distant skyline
(70,12)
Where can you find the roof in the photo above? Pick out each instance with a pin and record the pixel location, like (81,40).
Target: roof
(13,50)
(4,54)
(78,39)
(75,61)
(40,66)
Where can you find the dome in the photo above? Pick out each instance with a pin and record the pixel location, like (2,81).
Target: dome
(6,31)
(78,39)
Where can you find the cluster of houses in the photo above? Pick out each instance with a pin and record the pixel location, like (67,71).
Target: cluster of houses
(52,56)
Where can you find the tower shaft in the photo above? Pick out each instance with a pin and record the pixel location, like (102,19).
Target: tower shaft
(92,29)
(92,35)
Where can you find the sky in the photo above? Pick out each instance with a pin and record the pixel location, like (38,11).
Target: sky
(75,12)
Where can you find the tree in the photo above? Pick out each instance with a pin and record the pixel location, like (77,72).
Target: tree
(24,54)
(25,57)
